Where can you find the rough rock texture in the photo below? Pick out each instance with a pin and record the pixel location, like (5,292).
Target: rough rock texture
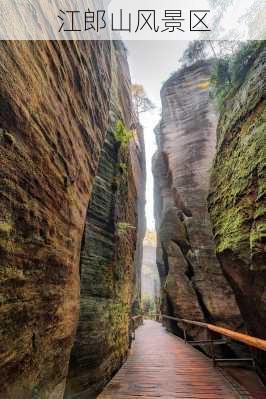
(110,281)
(237,200)
(137,155)
(54,105)
(192,281)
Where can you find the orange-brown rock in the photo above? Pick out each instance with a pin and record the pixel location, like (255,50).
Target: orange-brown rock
(110,254)
(54,107)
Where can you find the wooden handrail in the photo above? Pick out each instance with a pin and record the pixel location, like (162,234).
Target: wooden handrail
(136,317)
(134,325)
(246,339)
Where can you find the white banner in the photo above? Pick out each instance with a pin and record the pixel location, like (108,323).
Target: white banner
(132,20)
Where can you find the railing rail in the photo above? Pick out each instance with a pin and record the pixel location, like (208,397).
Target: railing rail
(248,340)
(244,338)
(137,317)
(135,322)
(212,340)
(253,342)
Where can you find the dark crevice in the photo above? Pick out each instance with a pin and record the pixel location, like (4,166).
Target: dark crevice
(184,247)
(171,324)
(207,316)
(34,346)
(165,261)
(190,271)
(190,275)
(81,249)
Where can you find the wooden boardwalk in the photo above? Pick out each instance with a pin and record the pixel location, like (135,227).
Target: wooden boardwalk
(163,366)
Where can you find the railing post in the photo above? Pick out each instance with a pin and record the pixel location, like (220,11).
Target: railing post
(133,330)
(212,348)
(254,363)
(184,332)
(130,336)
(258,343)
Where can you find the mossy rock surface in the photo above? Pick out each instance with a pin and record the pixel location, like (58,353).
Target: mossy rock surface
(237,201)
(238,179)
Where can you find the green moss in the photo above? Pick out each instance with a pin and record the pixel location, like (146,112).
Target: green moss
(254,237)
(262,190)
(9,246)
(238,181)
(170,281)
(260,212)
(122,168)
(10,272)
(5,227)
(123,227)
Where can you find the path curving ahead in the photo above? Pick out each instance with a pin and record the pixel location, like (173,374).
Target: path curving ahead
(163,366)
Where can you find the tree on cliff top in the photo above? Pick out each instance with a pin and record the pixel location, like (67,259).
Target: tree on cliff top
(199,50)
(140,100)
(195,51)
(230,71)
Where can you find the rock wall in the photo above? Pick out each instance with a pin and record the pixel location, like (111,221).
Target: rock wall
(193,285)
(237,200)
(137,154)
(59,105)
(54,105)
(109,271)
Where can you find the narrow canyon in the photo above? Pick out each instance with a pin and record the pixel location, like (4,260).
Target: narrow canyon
(74,269)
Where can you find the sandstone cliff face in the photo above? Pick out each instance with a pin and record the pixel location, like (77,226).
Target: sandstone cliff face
(53,117)
(237,200)
(59,105)
(109,272)
(192,281)
(138,161)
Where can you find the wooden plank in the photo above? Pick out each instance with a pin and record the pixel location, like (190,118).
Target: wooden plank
(163,366)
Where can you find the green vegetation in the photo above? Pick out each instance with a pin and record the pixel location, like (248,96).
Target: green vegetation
(170,281)
(123,227)
(122,168)
(121,175)
(140,100)
(195,51)
(5,227)
(122,135)
(236,203)
(232,62)
(230,71)
(148,305)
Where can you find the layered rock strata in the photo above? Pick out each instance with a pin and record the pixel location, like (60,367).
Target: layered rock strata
(237,200)
(193,285)
(110,254)
(53,121)
(137,154)
(60,102)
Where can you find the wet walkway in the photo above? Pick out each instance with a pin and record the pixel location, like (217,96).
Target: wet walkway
(163,366)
